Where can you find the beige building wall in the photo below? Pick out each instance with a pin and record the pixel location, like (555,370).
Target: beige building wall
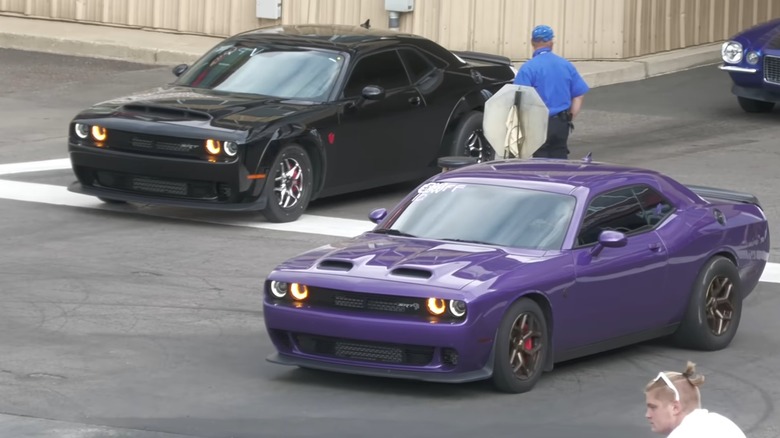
(586,29)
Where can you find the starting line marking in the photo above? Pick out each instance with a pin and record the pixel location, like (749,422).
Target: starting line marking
(323,225)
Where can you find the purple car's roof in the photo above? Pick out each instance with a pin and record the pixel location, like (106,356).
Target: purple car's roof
(555,175)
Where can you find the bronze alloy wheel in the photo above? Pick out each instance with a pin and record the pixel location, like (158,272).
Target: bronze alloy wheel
(719,305)
(288,183)
(525,345)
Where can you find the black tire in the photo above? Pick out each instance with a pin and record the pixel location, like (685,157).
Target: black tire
(700,325)
(288,208)
(755,106)
(468,140)
(505,378)
(111,201)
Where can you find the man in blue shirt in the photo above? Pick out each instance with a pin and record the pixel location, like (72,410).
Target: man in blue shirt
(559,85)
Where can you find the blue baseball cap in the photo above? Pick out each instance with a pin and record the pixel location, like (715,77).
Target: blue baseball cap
(542,33)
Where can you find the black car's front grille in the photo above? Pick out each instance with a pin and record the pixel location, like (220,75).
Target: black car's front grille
(143,184)
(772,69)
(364,351)
(332,298)
(153,145)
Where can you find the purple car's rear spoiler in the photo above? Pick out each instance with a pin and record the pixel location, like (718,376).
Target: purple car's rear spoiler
(725,195)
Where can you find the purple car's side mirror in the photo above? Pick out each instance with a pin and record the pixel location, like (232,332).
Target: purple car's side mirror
(609,239)
(377,215)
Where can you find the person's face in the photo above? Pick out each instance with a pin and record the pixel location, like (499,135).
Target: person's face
(662,415)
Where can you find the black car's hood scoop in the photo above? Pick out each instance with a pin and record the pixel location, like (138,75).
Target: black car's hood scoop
(186,103)
(165,112)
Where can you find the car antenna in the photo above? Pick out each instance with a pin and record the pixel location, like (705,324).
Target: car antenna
(367,24)
(588,158)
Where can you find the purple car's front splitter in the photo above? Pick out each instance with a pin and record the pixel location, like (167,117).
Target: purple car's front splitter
(310,338)
(440,377)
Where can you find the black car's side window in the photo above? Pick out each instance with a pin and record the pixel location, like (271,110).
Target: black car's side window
(629,210)
(417,65)
(384,69)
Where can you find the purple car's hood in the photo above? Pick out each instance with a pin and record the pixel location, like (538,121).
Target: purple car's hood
(438,264)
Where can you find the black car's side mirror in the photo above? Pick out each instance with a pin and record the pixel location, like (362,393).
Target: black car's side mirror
(180,69)
(377,215)
(373,92)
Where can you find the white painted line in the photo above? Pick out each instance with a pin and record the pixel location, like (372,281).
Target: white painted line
(59,195)
(35,166)
(311,224)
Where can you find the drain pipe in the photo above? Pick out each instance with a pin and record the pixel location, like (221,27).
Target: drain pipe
(395,18)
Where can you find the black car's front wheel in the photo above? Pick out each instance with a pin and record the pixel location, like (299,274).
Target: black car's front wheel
(289,185)
(468,139)
(521,349)
(755,106)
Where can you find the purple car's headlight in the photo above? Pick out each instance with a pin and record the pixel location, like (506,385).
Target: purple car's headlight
(438,306)
(279,289)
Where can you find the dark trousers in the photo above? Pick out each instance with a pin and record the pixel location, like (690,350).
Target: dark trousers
(557,138)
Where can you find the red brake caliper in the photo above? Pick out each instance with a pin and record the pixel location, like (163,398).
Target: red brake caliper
(528,344)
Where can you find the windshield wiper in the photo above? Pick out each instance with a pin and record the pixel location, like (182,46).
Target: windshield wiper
(392,232)
(478,242)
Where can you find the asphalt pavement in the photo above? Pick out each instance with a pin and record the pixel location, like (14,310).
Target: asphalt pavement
(137,321)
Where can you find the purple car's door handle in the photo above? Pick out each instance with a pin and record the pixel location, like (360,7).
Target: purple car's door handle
(655,246)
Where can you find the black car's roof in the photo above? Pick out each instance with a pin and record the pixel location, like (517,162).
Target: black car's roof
(339,37)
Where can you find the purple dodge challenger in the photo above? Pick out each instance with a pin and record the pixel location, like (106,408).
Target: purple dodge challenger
(501,269)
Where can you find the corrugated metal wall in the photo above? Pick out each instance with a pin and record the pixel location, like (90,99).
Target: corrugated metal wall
(587,29)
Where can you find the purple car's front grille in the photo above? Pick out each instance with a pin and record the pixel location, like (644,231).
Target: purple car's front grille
(362,302)
(772,69)
(364,351)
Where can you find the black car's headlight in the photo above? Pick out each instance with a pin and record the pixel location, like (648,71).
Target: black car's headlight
(81,130)
(731,52)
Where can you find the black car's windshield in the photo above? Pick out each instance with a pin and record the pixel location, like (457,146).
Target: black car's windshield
(488,214)
(284,72)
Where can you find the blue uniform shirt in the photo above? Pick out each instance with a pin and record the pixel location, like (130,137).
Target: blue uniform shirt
(554,78)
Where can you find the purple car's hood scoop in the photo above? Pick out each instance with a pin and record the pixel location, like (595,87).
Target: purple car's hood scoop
(436,263)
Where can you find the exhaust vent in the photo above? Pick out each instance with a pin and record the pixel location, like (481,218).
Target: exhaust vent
(335,265)
(411,272)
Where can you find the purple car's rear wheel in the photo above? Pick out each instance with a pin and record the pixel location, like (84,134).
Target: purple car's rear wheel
(714,308)
(521,348)
(719,304)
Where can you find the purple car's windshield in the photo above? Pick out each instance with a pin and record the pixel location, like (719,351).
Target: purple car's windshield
(494,215)
(283,72)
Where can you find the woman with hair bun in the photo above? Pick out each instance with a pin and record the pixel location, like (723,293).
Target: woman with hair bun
(674,408)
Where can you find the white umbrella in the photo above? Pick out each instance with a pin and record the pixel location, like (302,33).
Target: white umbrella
(510,135)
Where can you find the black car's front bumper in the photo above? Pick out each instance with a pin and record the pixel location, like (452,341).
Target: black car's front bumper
(172,181)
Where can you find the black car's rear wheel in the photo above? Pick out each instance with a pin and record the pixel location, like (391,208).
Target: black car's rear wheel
(755,106)
(714,309)
(289,185)
(521,348)
(468,139)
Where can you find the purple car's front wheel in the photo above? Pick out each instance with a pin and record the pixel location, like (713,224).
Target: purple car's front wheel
(525,345)
(521,348)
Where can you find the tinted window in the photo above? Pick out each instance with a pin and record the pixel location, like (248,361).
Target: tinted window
(384,69)
(495,215)
(269,71)
(629,210)
(417,65)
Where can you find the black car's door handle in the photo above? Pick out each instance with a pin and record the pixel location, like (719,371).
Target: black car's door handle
(415,101)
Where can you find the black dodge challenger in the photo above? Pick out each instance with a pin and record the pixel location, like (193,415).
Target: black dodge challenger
(273,118)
